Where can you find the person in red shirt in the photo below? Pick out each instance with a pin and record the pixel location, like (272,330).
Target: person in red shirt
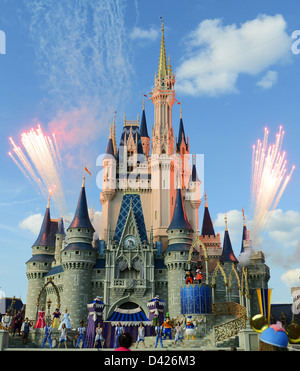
(125,341)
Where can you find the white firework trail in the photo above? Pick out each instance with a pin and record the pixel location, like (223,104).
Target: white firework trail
(42,164)
(269,180)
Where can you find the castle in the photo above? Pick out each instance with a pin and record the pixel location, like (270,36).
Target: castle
(150,234)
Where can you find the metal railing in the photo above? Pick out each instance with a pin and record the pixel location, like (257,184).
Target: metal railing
(232,327)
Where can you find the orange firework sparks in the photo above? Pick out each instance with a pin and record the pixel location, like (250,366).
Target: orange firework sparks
(269,180)
(42,165)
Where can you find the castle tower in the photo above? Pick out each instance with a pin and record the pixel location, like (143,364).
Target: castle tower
(229,262)
(182,148)
(210,239)
(163,98)
(144,133)
(193,196)
(180,235)
(109,183)
(60,239)
(39,264)
(164,165)
(246,242)
(78,259)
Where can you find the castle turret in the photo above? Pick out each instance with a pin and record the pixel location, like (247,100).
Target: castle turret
(60,239)
(210,239)
(227,252)
(39,264)
(193,195)
(182,148)
(78,259)
(180,234)
(144,133)
(246,242)
(229,263)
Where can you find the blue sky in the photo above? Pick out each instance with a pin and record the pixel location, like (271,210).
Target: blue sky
(69,68)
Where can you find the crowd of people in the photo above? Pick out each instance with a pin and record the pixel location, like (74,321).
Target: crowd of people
(274,337)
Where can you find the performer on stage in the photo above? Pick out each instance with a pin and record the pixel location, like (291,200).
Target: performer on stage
(141,335)
(158,333)
(81,335)
(17,324)
(99,336)
(6,321)
(118,331)
(40,323)
(65,319)
(63,336)
(48,332)
(178,334)
(168,325)
(55,318)
(189,277)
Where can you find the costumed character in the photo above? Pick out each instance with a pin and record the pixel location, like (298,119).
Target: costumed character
(99,336)
(55,318)
(178,334)
(6,320)
(63,335)
(118,331)
(156,312)
(81,335)
(189,277)
(65,319)
(273,338)
(189,328)
(199,275)
(141,335)
(25,329)
(167,325)
(41,323)
(47,332)
(17,324)
(158,334)
(155,322)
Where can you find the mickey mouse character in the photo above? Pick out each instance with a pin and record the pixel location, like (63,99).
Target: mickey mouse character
(189,277)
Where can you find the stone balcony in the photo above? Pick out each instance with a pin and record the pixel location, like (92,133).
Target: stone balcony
(138,286)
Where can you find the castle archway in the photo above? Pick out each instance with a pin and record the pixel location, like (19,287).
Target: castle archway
(49,282)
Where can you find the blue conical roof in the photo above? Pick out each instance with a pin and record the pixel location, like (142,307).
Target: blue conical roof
(46,236)
(110,147)
(227,253)
(61,228)
(81,218)
(207,225)
(179,219)
(143,127)
(181,135)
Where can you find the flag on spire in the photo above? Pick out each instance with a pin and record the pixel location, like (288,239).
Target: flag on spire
(85,168)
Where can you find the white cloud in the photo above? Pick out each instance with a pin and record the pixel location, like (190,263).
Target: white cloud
(291,277)
(32,223)
(268,80)
(284,227)
(217,55)
(140,33)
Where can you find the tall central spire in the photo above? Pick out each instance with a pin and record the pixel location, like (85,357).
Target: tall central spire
(163,98)
(162,65)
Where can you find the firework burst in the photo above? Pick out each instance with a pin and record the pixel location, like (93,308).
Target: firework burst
(269,180)
(41,164)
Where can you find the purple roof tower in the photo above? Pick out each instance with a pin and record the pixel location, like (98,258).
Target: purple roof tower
(95,309)
(156,306)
